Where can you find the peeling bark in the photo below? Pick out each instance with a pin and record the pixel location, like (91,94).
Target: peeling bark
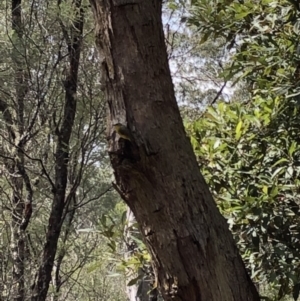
(157,175)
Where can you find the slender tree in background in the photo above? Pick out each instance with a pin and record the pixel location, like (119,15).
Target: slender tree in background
(156,173)
(16,165)
(64,130)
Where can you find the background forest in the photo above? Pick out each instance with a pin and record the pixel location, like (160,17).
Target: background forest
(236,72)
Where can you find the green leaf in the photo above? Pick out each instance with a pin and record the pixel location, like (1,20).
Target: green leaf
(282,160)
(238,131)
(103,220)
(138,241)
(242,15)
(205,38)
(265,189)
(292,148)
(194,143)
(94,267)
(124,217)
(278,171)
(134,281)
(112,245)
(296,27)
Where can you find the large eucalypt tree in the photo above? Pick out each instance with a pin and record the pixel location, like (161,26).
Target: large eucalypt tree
(194,255)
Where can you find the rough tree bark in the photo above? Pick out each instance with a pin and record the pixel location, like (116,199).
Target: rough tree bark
(157,175)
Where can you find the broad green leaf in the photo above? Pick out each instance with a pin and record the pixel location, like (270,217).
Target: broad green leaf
(265,189)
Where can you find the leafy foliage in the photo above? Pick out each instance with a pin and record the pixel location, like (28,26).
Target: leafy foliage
(37,63)
(263,37)
(249,153)
(250,158)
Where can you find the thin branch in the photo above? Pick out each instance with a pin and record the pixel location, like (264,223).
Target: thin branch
(219,93)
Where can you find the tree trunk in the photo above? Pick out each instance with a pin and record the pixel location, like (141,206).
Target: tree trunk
(21,208)
(64,131)
(157,175)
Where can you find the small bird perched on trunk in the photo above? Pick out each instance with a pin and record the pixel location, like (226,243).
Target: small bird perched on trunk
(123,131)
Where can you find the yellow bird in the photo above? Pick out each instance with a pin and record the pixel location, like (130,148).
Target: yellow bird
(123,131)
